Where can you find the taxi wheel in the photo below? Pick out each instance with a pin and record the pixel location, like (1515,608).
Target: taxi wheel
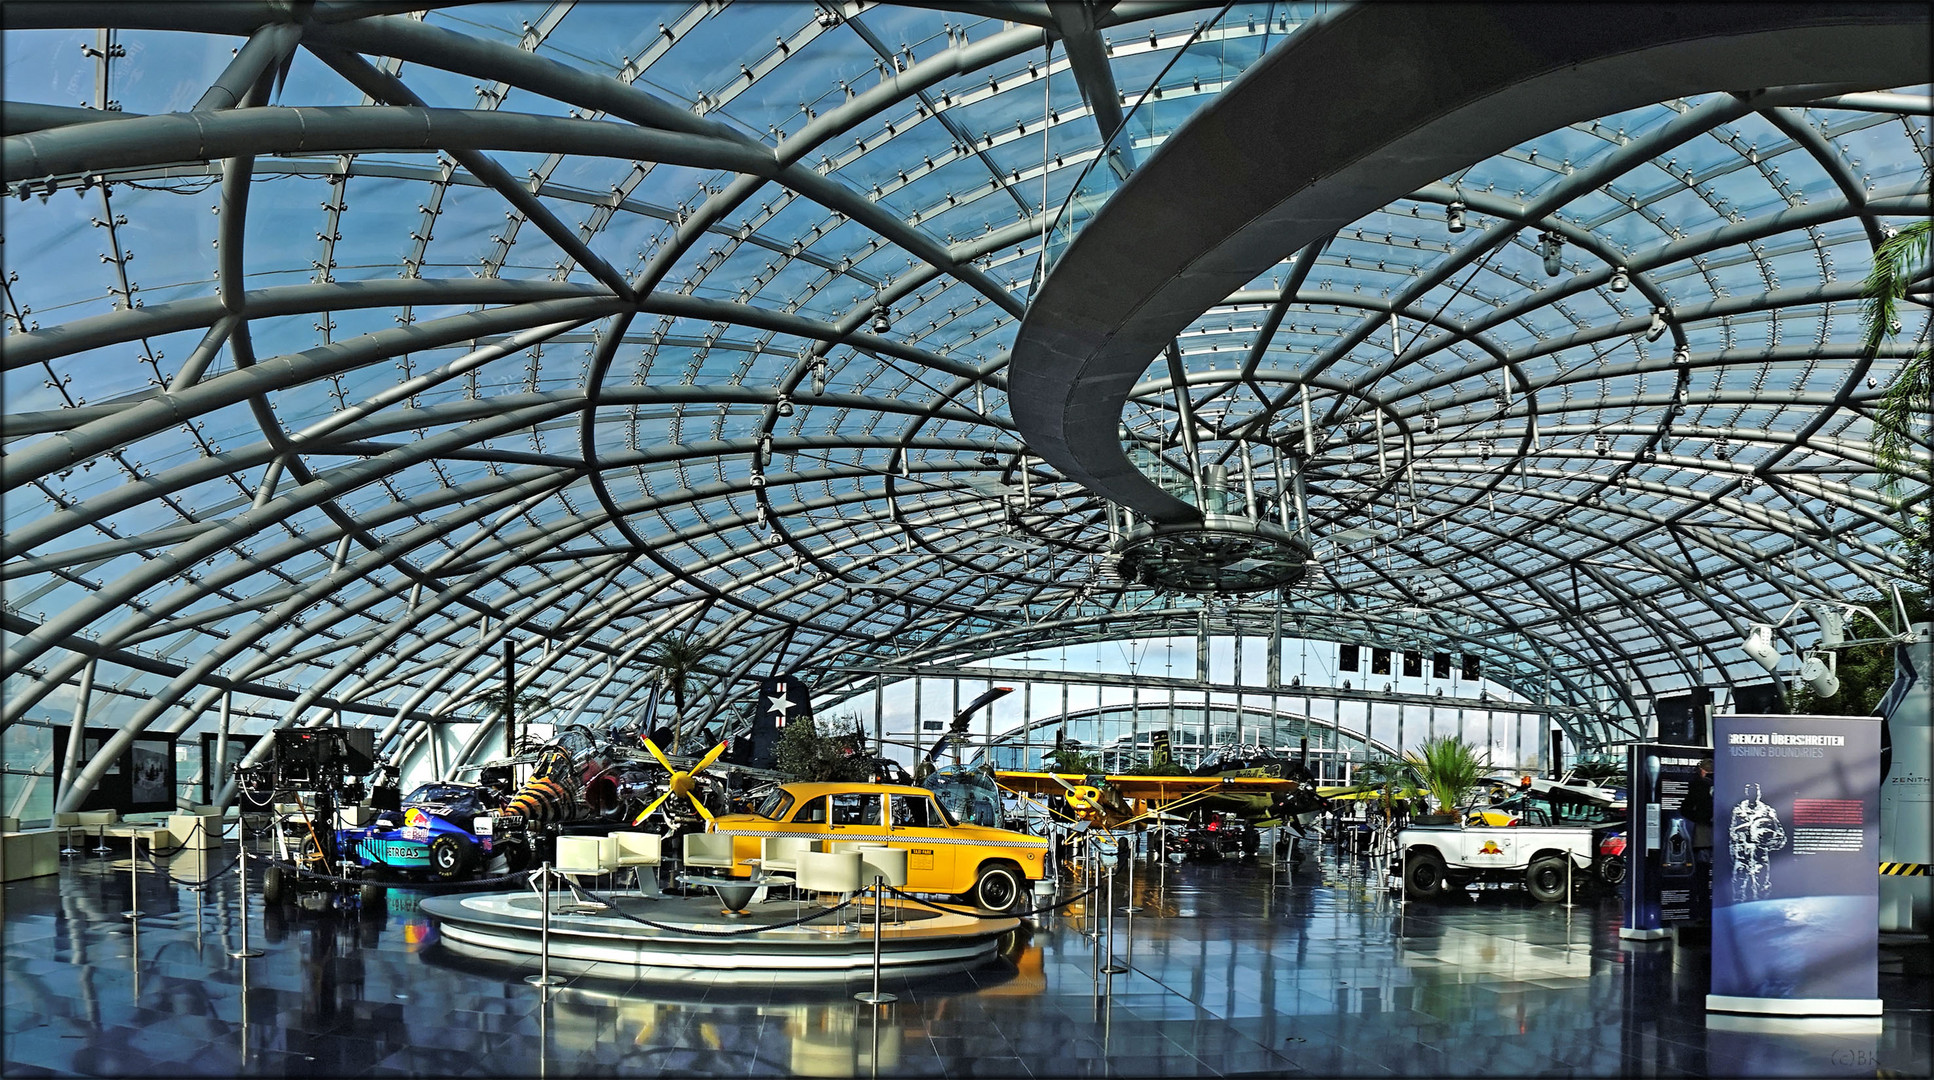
(449,856)
(998,888)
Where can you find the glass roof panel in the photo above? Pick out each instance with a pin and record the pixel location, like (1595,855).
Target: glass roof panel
(364,270)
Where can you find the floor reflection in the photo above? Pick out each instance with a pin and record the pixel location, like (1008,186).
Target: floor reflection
(1233,968)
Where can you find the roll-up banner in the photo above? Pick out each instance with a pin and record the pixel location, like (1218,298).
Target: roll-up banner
(1795,899)
(1666,880)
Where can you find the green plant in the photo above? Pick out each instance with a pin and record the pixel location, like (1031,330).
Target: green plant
(1450,769)
(1073,761)
(1903,417)
(805,754)
(1394,780)
(677,658)
(1905,408)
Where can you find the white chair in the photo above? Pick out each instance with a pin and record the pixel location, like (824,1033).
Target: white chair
(830,872)
(881,866)
(643,852)
(585,856)
(780,855)
(712,851)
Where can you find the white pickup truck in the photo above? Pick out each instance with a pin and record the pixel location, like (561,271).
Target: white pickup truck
(1437,859)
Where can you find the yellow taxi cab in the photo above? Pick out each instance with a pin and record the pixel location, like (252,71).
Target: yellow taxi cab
(986,867)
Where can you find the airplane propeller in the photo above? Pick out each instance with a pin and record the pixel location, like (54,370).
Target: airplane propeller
(681,781)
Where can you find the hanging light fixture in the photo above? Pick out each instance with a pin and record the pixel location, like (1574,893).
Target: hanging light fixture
(881,324)
(1621,279)
(1759,646)
(1657,330)
(1552,246)
(1454,216)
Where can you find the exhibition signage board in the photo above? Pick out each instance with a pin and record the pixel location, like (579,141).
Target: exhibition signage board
(141,780)
(1795,899)
(1667,883)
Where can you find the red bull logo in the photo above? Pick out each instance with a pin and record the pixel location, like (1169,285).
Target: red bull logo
(1490,848)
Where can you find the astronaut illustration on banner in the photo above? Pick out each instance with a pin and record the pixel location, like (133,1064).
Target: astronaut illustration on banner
(1754,835)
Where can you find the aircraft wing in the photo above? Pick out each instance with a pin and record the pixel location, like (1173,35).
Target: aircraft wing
(1156,788)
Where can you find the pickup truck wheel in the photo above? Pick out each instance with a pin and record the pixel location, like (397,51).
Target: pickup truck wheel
(1545,878)
(1424,875)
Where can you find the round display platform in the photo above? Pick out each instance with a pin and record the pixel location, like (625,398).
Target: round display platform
(691,942)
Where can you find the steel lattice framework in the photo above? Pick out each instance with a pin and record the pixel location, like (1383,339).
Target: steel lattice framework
(578,325)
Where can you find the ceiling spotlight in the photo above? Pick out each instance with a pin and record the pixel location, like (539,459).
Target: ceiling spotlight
(881,324)
(1819,677)
(1833,625)
(819,378)
(1682,355)
(1759,646)
(765,450)
(784,406)
(1551,246)
(990,458)
(1454,216)
(1620,279)
(1657,330)
(1600,445)
(758,479)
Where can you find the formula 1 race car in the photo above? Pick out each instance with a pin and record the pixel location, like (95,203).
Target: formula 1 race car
(445,828)
(1222,835)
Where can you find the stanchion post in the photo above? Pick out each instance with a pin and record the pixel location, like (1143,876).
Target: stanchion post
(1132,907)
(1113,967)
(134,878)
(100,840)
(876,998)
(544,978)
(244,952)
(1567,879)
(1403,874)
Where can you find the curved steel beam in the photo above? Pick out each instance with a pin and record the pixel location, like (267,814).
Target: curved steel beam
(1169,253)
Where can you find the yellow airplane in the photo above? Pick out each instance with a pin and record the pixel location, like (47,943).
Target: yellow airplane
(1116,802)
(681,782)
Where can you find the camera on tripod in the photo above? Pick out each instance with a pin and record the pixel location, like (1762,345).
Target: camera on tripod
(332,760)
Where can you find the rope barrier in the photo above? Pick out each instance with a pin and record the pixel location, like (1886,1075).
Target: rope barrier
(1092,889)
(307,874)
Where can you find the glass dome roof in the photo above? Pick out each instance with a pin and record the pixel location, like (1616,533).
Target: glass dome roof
(340,352)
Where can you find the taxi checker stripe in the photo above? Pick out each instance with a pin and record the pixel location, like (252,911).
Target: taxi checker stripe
(1904,869)
(1042,844)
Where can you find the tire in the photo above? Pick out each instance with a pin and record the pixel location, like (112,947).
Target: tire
(999,887)
(1545,878)
(275,886)
(1423,875)
(372,895)
(517,857)
(450,856)
(1611,870)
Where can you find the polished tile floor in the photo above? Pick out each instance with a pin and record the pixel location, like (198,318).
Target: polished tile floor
(1234,969)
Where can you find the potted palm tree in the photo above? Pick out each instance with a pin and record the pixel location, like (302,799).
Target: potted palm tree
(677,658)
(1450,769)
